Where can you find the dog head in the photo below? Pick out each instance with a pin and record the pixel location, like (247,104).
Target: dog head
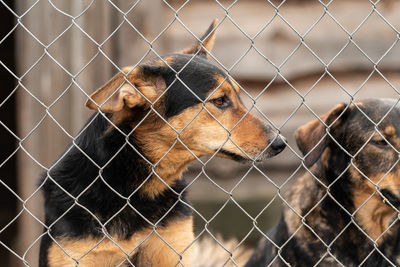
(367,133)
(363,141)
(181,107)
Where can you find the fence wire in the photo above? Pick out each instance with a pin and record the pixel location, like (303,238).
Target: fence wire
(177,9)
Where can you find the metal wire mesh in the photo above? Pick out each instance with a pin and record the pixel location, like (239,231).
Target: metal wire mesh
(79,87)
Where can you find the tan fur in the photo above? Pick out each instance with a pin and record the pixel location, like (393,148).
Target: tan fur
(158,137)
(390,131)
(203,131)
(104,254)
(200,130)
(178,234)
(120,116)
(374,216)
(118,93)
(128,95)
(156,252)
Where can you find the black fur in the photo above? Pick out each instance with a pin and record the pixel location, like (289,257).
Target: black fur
(93,187)
(233,156)
(330,222)
(123,171)
(179,77)
(96,178)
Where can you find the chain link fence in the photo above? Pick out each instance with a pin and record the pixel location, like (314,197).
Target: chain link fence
(292,61)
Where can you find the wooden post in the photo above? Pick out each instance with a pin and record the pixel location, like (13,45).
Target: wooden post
(147,18)
(28,114)
(47,81)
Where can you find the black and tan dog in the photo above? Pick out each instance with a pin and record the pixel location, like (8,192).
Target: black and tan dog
(116,196)
(344,212)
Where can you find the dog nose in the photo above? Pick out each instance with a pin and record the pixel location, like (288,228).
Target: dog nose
(278,144)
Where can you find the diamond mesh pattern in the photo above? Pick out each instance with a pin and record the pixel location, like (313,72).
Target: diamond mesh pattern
(97,42)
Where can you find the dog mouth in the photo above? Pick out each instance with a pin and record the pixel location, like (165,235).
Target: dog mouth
(276,146)
(388,196)
(234,156)
(242,159)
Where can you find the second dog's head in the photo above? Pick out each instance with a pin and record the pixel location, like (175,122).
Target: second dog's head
(358,146)
(181,107)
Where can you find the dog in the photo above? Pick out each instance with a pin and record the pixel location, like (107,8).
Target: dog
(116,197)
(344,210)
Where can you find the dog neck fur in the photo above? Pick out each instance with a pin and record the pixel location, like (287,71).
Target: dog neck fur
(169,167)
(166,160)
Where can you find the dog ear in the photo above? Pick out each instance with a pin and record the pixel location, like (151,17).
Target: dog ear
(125,90)
(206,44)
(312,138)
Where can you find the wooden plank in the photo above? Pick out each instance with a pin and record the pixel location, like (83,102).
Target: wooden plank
(147,19)
(47,82)
(27,114)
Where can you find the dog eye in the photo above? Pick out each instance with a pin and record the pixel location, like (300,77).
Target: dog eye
(380,142)
(221,102)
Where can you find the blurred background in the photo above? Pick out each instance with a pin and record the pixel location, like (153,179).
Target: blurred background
(295,58)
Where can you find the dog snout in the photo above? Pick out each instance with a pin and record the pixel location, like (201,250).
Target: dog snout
(278,144)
